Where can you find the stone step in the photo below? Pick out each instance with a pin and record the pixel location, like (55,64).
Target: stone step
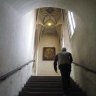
(25,93)
(48,86)
(45,78)
(44,85)
(42,89)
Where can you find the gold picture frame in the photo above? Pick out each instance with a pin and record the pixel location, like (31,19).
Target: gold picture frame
(48,53)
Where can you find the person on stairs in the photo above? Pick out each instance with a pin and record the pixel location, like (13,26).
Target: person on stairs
(64,60)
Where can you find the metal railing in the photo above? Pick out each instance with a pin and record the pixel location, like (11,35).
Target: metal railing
(85,68)
(5,76)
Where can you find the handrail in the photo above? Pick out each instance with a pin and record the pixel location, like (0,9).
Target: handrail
(5,76)
(90,70)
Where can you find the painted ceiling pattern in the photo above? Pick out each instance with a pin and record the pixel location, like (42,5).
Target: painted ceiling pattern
(49,20)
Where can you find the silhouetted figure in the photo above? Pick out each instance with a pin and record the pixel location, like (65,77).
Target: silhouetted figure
(64,60)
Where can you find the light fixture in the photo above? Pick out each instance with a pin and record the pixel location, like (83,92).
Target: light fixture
(49,24)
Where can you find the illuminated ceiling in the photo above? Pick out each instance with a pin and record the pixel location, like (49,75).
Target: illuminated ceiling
(49,20)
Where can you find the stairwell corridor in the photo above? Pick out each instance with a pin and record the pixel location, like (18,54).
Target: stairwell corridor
(48,86)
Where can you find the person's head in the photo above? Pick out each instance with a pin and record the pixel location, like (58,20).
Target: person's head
(64,49)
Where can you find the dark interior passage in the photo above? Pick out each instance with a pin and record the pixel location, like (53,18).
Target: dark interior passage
(48,86)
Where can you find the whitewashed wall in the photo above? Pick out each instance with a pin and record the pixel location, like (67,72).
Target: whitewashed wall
(80,44)
(83,44)
(45,68)
(16,47)
(83,49)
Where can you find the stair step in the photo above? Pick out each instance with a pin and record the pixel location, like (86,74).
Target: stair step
(42,89)
(25,93)
(43,82)
(42,86)
(44,78)
(48,86)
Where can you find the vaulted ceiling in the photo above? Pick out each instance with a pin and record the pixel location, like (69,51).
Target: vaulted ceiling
(49,20)
(24,6)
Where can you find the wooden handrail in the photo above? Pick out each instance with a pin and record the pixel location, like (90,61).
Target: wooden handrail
(87,69)
(5,76)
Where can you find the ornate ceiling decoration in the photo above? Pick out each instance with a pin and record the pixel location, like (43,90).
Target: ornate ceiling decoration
(49,20)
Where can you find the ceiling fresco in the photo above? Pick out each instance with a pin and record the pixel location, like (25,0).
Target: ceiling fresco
(49,20)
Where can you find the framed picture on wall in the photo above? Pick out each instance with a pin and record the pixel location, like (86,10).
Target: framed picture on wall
(48,53)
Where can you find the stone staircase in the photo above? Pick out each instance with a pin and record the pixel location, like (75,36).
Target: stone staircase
(48,86)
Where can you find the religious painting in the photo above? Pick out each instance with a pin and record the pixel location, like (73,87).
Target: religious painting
(48,53)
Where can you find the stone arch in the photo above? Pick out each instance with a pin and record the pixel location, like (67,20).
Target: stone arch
(80,8)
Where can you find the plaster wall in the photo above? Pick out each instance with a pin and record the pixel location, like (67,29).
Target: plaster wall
(84,40)
(13,85)
(83,49)
(16,47)
(65,33)
(45,68)
(80,44)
